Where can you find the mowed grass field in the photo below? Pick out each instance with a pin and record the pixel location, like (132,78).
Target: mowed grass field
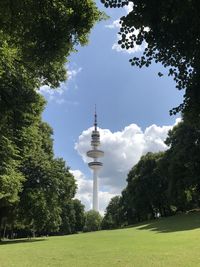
(170,242)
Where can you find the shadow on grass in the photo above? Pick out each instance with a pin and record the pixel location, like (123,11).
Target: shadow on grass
(18,241)
(175,223)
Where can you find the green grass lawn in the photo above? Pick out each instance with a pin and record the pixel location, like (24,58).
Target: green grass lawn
(174,242)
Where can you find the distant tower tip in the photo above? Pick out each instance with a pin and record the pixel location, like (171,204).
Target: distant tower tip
(95,118)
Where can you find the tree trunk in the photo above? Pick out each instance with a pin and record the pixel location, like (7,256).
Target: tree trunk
(4,230)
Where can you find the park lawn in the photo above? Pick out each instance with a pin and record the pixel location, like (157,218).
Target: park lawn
(170,242)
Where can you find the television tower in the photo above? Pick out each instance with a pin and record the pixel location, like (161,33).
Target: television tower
(95,165)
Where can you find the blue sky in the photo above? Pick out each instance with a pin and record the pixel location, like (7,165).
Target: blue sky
(124,95)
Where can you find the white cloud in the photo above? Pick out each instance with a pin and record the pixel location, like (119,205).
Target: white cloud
(115,24)
(60,101)
(123,150)
(50,93)
(57,94)
(137,48)
(72,73)
(129,7)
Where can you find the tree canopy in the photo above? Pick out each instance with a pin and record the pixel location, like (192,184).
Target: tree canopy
(170,31)
(146,188)
(112,218)
(36,37)
(92,221)
(182,161)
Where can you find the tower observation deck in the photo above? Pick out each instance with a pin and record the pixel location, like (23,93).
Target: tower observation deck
(95,165)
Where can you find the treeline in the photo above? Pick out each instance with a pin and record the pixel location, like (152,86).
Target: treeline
(160,184)
(164,183)
(36,189)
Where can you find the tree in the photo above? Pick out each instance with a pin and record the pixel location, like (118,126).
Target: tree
(145,194)
(112,218)
(10,177)
(79,209)
(73,217)
(20,111)
(183,166)
(10,181)
(92,221)
(68,217)
(37,37)
(39,204)
(48,185)
(171,32)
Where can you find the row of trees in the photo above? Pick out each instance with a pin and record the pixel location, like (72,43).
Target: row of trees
(37,190)
(163,183)
(160,184)
(36,37)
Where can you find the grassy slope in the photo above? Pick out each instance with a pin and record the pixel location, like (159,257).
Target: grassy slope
(170,242)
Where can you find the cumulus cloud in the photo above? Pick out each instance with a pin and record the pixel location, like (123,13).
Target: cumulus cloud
(50,93)
(123,150)
(128,8)
(57,94)
(136,48)
(115,24)
(72,73)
